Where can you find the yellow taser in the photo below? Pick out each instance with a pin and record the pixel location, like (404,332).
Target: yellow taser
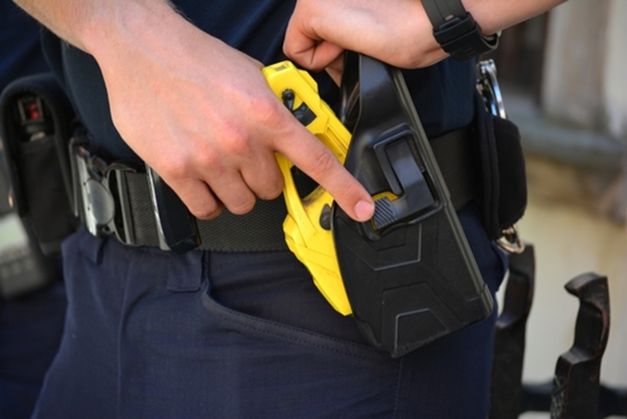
(307,225)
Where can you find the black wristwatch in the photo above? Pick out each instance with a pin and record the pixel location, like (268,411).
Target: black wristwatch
(456,31)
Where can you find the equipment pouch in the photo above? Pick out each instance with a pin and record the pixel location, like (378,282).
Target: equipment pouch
(36,119)
(503,197)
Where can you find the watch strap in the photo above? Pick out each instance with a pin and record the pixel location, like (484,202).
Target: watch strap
(439,11)
(456,30)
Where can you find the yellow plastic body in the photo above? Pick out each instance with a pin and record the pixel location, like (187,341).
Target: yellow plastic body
(304,235)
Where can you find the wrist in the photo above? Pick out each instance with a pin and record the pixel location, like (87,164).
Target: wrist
(124,24)
(495,15)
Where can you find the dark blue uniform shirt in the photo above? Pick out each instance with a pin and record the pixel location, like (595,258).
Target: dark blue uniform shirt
(442,93)
(20,52)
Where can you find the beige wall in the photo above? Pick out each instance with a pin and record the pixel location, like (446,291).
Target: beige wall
(615,71)
(585,71)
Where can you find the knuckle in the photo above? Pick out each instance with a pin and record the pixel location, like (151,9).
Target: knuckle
(323,162)
(236,142)
(271,192)
(207,212)
(175,167)
(267,110)
(204,207)
(274,194)
(207,158)
(189,165)
(241,208)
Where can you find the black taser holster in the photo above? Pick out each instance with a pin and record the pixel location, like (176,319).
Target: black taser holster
(410,275)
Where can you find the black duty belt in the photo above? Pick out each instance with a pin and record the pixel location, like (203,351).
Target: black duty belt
(115,199)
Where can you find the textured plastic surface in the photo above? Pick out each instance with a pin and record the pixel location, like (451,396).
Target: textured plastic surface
(410,278)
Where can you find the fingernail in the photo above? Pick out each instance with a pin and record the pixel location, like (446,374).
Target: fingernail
(364,210)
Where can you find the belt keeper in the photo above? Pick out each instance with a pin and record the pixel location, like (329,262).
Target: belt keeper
(176,227)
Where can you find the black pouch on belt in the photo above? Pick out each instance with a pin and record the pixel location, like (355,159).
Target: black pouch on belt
(36,118)
(503,192)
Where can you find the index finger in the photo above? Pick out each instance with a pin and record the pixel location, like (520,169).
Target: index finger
(311,156)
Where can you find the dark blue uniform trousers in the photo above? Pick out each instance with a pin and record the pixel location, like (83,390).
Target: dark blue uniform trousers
(30,331)
(151,334)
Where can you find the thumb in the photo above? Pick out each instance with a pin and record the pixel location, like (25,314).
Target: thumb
(334,69)
(309,50)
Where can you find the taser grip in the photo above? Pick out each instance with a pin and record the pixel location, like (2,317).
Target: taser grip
(307,225)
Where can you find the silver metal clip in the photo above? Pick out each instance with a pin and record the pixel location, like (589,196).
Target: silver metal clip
(511,241)
(488,86)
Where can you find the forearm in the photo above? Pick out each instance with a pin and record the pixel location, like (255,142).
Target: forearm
(496,15)
(65,18)
(89,24)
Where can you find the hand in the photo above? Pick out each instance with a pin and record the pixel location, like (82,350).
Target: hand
(397,32)
(203,116)
(394,31)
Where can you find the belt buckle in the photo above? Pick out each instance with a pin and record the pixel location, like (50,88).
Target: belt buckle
(101,196)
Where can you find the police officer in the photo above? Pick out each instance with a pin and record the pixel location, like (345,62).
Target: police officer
(244,333)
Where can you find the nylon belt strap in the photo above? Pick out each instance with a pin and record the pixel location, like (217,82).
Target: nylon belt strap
(261,229)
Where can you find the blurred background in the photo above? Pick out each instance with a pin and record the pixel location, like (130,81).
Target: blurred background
(564,82)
